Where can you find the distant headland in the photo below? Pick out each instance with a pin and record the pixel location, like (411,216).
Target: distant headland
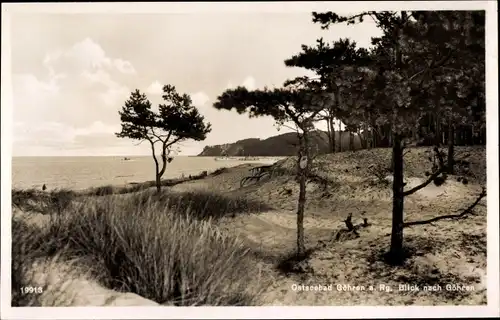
(276,146)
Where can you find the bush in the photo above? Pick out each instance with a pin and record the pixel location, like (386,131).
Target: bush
(59,200)
(55,201)
(219,171)
(136,187)
(200,205)
(102,191)
(21,198)
(380,171)
(147,249)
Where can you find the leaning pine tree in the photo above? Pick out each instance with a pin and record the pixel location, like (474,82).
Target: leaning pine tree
(298,103)
(177,120)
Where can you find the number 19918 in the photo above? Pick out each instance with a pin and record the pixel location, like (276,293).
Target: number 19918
(26,290)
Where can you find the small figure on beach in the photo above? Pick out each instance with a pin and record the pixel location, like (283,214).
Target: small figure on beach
(44,187)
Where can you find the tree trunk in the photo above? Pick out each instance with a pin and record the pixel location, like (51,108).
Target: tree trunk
(340,137)
(473,131)
(164,160)
(461,139)
(396,251)
(331,135)
(332,128)
(351,141)
(371,135)
(362,139)
(300,215)
(157,167)
(158,182)
(302,172)
(471,136)
(451,147)
(329,132)
(437,125)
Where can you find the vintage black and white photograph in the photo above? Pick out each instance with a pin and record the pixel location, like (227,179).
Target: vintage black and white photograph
(325,155)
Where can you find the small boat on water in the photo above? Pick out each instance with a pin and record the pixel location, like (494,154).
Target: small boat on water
(126,158)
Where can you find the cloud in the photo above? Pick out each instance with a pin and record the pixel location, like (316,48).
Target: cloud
(155,88)
(47,134)
(249,83)
(81,87)
(229,85)
(124,66)
(85,55)
(32,96)
(32,86)
(200,99)
(50,136)
(111,91)
(97,128)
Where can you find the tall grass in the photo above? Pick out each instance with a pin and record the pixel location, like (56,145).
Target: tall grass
(199,204)
(147,248)
(26,245)
(110,189)
(44,202)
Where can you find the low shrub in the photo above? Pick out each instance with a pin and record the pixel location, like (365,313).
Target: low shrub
(201,205)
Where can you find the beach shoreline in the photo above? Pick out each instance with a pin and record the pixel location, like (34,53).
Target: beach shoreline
(70,173)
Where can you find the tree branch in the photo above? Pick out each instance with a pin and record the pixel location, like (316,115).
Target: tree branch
(163,158)
(450,216)
(444,59)
(172,142)
(291,114)
(159,137)
(141,141)
(433,65)
(287,126)
(442,168)
(426,72)
(154,153)
(416,74)
(424,184)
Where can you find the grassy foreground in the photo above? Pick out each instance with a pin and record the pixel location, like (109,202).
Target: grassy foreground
(162,247)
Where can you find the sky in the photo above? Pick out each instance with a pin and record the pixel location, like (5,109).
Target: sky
(71,73)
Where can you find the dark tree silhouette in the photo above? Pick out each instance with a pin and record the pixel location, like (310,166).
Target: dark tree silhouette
(299,101)
(425,63)
(177,120)
(336,66)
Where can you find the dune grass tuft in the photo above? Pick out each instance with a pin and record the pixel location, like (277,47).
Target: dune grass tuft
(146,248)
(54,201)
(201,205)
(101,191)
(26,248)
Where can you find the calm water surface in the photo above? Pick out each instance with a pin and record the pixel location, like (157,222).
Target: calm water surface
(85,172)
